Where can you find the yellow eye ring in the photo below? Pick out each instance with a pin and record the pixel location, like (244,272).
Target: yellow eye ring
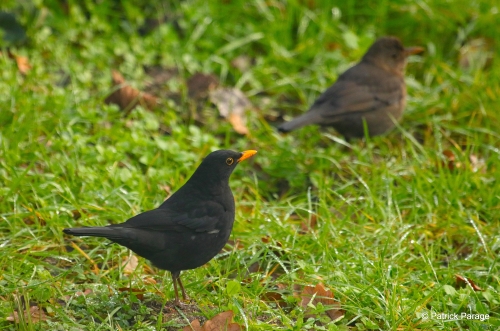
(229,161)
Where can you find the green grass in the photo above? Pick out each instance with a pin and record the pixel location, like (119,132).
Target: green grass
(394,222)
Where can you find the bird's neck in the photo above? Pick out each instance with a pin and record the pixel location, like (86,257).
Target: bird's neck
(208,184)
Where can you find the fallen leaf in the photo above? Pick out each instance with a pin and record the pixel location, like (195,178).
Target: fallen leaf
(254,267)
(232,245)
(220,322)
(477,164)
(76,214)
(450,158)
(138,293)
(232,104)
(242,63)
(463,281)
(129,264)
(238,123)
(127,97)
(199,85)
(476,54)
(23,64)
(276,296)
(149,280)
(86,292)
(319,294)
(308,225)
(34,314)
(66,298)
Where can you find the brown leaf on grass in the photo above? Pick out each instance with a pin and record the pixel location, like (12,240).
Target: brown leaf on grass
(220,322)
(139,294)
(23,64)
(317,294)
(232,245)
(149,280)
(129,264)
(242,62)
(127,97)
(34,219)
(308,225)
(195,326)
(476,54)
(76,214)
(66,298)
(475,163)
(35,314)
(463,281)
(238,123)
(232,104)
(450,160)
(276,296)
(199,85)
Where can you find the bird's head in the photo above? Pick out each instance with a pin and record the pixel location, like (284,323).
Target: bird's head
(218,166)
(389,54)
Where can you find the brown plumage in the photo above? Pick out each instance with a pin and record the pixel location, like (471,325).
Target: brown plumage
(373,90)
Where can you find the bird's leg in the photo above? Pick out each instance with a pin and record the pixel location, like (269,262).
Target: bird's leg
(184,296)
(175,276)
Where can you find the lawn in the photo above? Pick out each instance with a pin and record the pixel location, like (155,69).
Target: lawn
(403,229)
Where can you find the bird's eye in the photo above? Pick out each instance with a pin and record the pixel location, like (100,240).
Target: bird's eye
(229,161)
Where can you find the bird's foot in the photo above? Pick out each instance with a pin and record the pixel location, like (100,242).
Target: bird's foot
(180,304)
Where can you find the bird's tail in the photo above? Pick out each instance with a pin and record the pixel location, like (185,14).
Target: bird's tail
(98,231)
(296,123)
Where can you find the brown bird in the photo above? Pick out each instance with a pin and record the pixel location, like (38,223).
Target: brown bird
(373,91)
(189,228)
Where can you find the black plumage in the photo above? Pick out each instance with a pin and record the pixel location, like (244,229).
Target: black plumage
(189,228)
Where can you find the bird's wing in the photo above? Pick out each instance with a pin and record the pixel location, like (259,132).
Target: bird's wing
(358,90)
(202,218)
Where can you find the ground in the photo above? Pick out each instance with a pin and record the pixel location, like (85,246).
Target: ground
(402,229)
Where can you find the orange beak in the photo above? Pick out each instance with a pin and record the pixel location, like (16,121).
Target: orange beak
(247,154)
(413,50)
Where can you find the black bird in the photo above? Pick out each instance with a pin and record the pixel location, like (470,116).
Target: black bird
(373,90)
(189,228)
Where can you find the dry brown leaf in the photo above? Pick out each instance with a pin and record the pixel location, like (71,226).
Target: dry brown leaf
(220,322)
(129,264)
(238,123)
(242,62)
(127,97)
(309,225)
(86,292)
(35,314)
(232,104)
(276,297)
(199,85)
(66,298)
(463,281)
(319,294)
(477,164)
(23,64)
(450,158)
(195,326)
(149,280)
(139,294)
(476,54)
